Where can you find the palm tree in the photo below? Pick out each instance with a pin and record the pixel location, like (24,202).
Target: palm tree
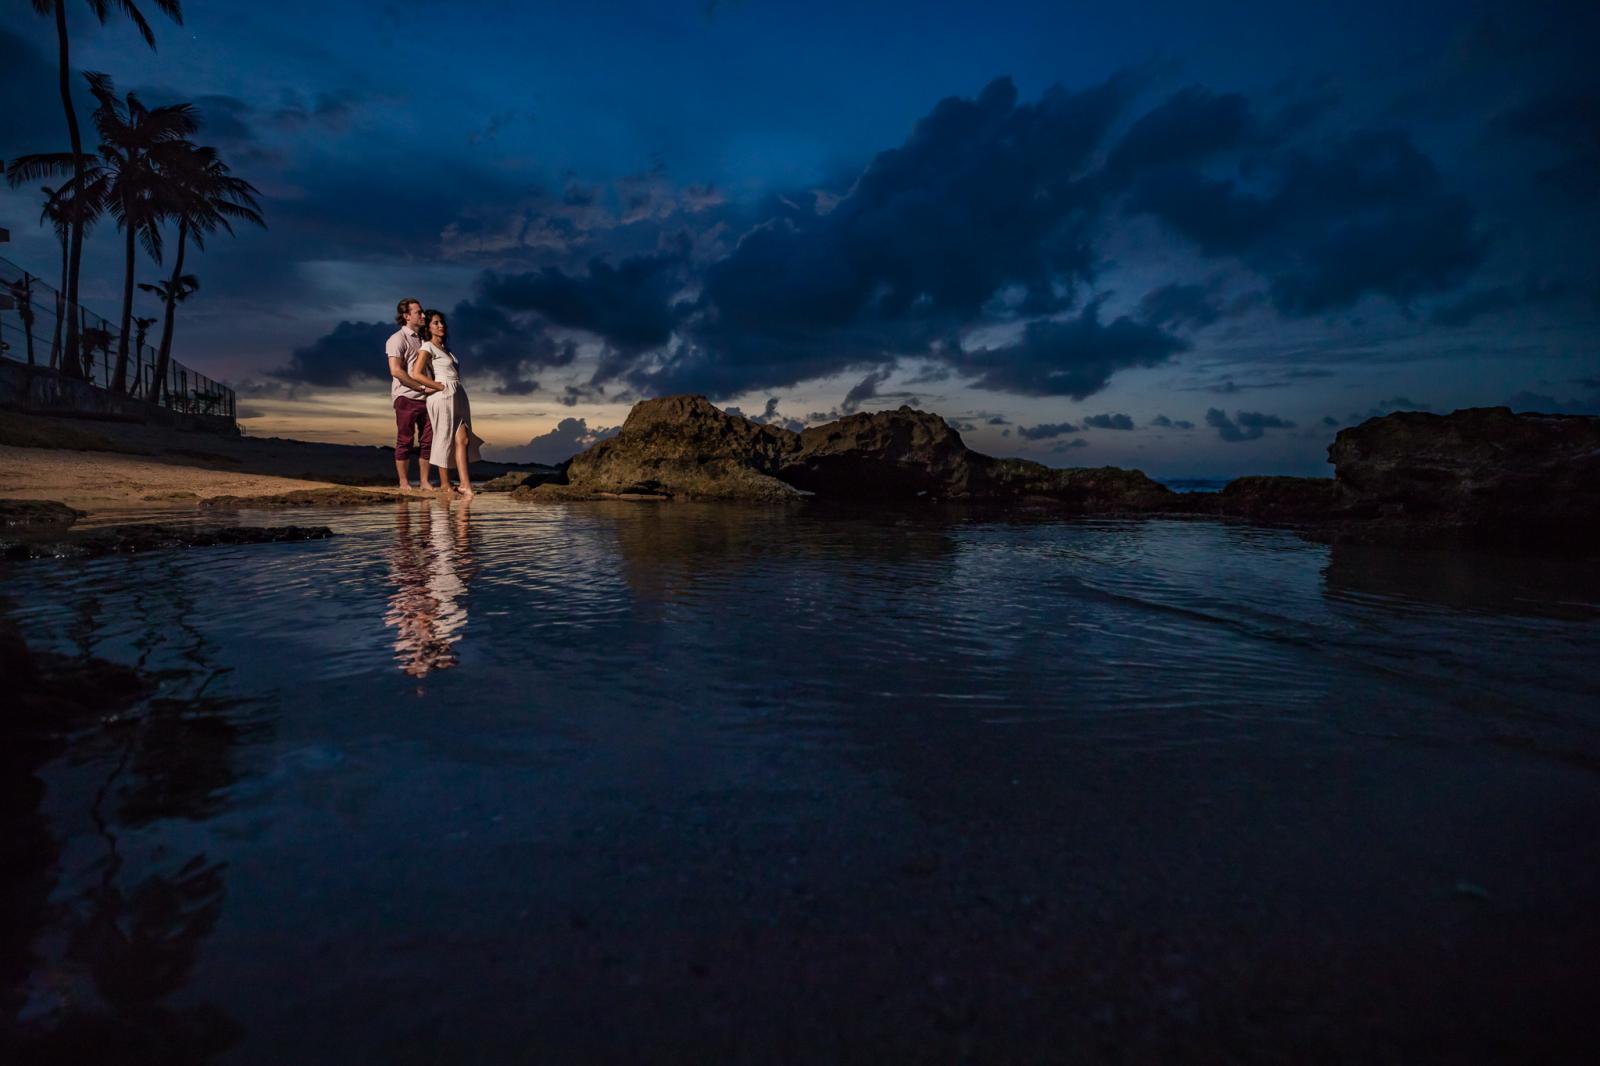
(22,294)
(61,207)
(55,213)
(141,326)
(171,292)
(131,134)
(101,10)
(203,196)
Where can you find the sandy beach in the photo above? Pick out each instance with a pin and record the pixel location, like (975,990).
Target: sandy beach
(114,469)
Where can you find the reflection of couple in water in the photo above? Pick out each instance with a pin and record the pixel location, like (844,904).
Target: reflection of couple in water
(427,609)
(430,404)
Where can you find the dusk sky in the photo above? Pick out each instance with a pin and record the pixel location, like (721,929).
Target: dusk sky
(1192,239)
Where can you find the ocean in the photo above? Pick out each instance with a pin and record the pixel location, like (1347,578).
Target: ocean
(662,782)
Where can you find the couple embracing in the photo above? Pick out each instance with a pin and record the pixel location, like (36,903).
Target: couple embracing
(430,404)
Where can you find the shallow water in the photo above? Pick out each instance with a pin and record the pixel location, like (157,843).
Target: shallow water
(660,781)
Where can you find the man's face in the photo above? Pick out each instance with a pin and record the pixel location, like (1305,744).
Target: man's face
(414,315)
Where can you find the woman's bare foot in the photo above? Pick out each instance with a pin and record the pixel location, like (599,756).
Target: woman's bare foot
(466,491)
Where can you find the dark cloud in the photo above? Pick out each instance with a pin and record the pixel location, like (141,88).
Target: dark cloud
(1076,442)
(1541,403)
(771,416)
(1476,303)
(1227,386)
(1171,423)
(1364,213)
(1046,430)
(1179,305)
(628,305)
(568,438)
(329,111)
(865,389)
(1245,425)
(1569,122)
(1191,126)
(1109,421)
(990,213)
(507,346)
(1329,420)
(352,352)
(491,344)
(930,375)
(1073,357)
(984,195)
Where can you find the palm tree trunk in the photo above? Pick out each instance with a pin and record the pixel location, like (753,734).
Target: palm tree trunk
(119,382)
(165,352)
(61,310)
(27,314)
(75,253)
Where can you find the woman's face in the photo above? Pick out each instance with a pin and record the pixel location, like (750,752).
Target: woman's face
(436,328)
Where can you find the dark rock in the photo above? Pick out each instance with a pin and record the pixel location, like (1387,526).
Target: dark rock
(1481,476)
(898,454)
(1083,490)
(1477,477)
(37,514)
(1286,500)
(516,479)
(685,446)
(339,497)
(147,537)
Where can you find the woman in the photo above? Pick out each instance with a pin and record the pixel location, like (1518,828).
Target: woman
(449,413)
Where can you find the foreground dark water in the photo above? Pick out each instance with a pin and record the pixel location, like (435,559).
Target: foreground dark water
(632,781)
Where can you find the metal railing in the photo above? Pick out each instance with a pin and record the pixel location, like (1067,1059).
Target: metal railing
(33,330)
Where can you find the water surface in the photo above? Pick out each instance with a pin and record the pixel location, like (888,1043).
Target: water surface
(679,781)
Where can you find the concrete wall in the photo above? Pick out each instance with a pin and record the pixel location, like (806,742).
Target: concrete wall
(40,390)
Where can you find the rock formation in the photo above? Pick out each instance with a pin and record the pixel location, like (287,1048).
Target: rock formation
(683,446)
(1483,477)
(680,446)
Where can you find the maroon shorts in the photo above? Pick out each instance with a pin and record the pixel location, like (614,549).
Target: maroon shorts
(411,421)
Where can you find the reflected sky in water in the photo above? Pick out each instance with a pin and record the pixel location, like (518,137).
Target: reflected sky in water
(635,773)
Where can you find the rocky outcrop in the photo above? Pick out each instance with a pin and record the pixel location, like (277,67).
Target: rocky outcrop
(1278,500)
(1480,476)
(512,480)
(148,537)
(682,446)
(1476,477)
(899,454)
(1079,490)
(37,514)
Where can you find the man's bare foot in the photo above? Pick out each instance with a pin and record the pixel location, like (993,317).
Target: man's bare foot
(466,491)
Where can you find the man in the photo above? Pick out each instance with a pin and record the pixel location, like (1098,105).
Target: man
(409,396)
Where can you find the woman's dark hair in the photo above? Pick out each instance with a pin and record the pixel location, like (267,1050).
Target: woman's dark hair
(427,323)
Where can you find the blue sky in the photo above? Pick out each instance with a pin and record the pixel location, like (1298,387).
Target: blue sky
(1193,239)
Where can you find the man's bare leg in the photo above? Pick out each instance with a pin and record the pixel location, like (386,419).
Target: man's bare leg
(422,475)
(400,472)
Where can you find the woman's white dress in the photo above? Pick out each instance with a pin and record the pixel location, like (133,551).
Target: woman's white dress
(448,409)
